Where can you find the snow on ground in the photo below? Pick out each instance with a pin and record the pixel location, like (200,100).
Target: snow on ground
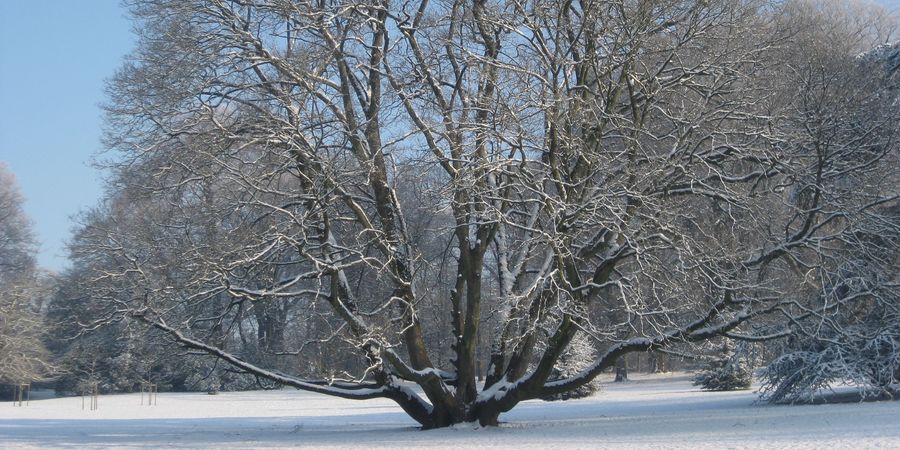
(648,412)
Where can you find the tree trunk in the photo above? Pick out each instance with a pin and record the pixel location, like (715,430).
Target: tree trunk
(485,415)
(658,362)
(621,369)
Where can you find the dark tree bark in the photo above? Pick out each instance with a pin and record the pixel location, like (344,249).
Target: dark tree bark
(621,369)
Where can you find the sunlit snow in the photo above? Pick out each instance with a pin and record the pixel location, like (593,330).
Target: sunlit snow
(650,412)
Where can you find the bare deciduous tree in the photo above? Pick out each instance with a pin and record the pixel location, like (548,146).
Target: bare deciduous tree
(23,357)
(530,170)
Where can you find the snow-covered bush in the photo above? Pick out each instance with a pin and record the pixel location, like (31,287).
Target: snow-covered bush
(732,372)
(866,355)
(578,355)
(723,376)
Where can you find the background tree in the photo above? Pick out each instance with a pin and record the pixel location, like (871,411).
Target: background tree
(858,344)
(23,358)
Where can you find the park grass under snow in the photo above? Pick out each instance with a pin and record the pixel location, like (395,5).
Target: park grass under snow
(652,411)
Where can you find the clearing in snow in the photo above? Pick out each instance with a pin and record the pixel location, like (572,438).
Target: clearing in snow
(652,411)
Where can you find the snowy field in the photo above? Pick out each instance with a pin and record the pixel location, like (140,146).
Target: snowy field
(648,412)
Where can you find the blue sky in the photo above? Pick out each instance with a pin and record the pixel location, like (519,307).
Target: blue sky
(54,57)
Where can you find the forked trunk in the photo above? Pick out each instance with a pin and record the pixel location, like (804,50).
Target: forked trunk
(484,415)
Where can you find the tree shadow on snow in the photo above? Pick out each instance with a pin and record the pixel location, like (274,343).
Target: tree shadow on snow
(203,432)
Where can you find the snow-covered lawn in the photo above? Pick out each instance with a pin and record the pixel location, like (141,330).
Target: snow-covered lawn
(649,412)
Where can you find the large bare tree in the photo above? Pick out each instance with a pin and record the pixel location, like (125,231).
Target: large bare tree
(646,174)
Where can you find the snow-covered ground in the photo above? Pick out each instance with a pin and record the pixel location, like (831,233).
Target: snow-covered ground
(649,412)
